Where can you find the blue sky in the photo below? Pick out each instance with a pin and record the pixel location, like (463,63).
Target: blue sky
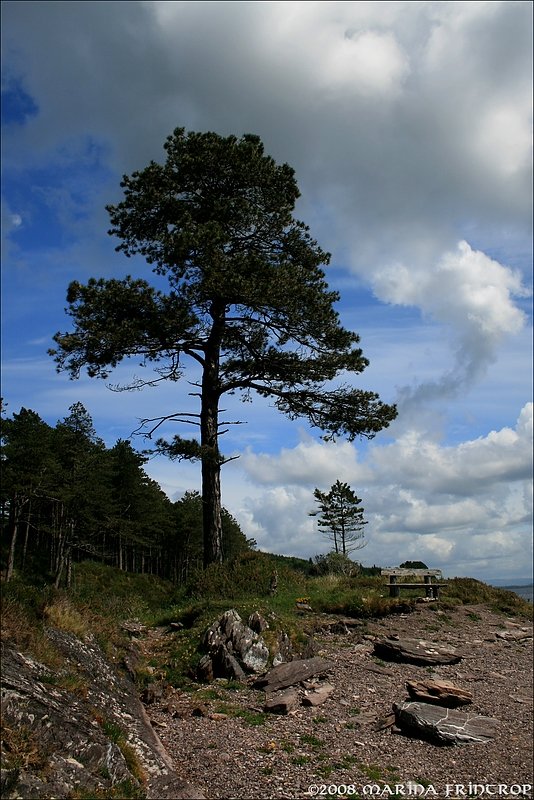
(409,126)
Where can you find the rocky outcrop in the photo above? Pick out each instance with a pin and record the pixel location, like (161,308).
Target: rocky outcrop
(81,729)
(234,649)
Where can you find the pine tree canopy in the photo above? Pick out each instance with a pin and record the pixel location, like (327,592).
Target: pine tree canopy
(246,295)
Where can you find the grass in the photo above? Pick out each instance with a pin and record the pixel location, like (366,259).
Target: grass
(116,735)
(299,761)
(21,749)
(102,597)
(312,741)
(253,718)
(62,614)
(124,790)
(468,591)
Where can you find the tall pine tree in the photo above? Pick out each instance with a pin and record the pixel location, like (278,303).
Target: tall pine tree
(246,300)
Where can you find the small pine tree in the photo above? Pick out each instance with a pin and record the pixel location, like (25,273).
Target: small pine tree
(341,517)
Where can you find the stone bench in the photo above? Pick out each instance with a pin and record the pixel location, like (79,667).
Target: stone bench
(429,584)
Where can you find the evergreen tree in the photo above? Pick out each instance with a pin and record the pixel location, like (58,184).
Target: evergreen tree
(341,517)
(83,490)
(140,510)
(247,300)
(27,475)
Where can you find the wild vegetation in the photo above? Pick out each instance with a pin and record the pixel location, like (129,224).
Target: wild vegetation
(101,597)
(65,496)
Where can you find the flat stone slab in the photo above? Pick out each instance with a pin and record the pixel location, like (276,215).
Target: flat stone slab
(517,634)
(282,703)
(318,695)
(293,672)
(441,693)
(416,651)
(443,726)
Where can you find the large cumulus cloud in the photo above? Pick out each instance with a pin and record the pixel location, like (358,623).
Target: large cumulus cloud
(452,505)
(409,126)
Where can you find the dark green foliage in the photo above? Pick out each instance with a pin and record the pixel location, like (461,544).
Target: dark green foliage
(413,565)
(465,591)
(341,520)
(246,576)
(335,564)
(247,300)
(66,498)
(29,467)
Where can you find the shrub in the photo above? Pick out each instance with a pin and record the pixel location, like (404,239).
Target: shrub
(63,615)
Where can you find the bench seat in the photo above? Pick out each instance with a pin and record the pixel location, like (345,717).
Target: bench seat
(431,588)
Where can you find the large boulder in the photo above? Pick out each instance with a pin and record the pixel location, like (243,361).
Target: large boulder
(443,726)
(296,671)
(234,649)
(85,727)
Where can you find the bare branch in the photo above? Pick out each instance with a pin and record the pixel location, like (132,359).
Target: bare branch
(177,417)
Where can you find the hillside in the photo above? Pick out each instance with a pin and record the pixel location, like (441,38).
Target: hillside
(141,638)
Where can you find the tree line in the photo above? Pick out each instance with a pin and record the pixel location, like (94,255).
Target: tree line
(65,496)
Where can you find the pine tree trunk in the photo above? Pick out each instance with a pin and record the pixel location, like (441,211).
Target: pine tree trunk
(209,434)
(26,537)
(69,569)
(14,533)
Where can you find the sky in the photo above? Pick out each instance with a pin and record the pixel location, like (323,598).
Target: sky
(409,126)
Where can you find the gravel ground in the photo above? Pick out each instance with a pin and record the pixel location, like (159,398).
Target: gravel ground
(336,747)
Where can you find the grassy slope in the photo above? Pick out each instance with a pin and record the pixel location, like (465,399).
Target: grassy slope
(102,597)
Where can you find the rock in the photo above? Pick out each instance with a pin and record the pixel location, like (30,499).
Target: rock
(285,649)
(443,726)
(255,657)
(132,660)
(243,648)
(205,669)
(134,627)
(225,665)
(339,627)
(295,671)
(416,651)
(310,649)
(282,703)
(385,722)
(155,692)
(440,693)
(257,623)
(514,634)
(318,695)
(80,732)
(170,788)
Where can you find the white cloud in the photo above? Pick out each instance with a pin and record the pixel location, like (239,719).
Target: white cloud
(451,505)
(474,296)
(308,462)
(367,62)
(465,469)
(409,126)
